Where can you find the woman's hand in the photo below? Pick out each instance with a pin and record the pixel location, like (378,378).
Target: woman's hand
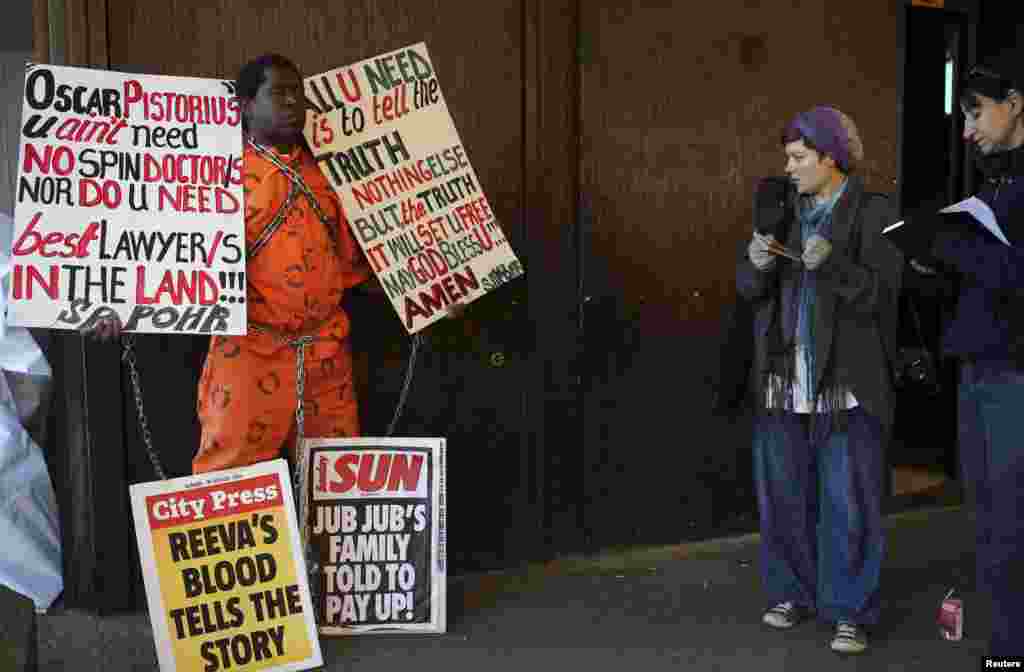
(759,252)
(816,251)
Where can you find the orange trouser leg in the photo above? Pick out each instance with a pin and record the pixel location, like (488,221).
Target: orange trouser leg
(330,408)
(246,406)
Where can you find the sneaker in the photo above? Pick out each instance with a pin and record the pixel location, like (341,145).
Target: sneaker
(849,638)
(785,615)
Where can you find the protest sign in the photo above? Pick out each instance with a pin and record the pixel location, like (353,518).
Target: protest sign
(377,534)
(383,136)
(225,575)
(129,203)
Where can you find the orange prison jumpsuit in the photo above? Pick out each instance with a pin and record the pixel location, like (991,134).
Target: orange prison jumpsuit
(247,392)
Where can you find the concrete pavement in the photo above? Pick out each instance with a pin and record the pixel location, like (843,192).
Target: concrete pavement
(688,607)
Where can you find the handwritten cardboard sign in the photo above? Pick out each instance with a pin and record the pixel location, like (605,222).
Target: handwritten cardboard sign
(386,141)
(129,203)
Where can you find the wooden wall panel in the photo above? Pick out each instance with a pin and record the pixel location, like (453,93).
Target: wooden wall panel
(682,109)
(40,31)
(681,116)
(550,215)
(476,49)
(71,446)
(12,74)
(85,32)
(16,48)
(87,427)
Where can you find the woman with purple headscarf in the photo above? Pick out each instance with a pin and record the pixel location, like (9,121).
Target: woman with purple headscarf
(824,286)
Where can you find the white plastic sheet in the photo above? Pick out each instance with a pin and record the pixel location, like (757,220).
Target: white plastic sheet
(31,561)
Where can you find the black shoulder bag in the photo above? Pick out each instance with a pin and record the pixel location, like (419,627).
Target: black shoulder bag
(915,370)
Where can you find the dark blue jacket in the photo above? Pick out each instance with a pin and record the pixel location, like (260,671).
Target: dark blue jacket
(988,319)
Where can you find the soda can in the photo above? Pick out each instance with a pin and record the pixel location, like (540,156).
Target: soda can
(951,618)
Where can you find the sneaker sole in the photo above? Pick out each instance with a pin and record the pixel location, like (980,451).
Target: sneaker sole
(778,626)
(803,617)
(848,649)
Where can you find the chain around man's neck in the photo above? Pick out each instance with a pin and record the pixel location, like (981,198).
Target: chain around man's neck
(279,148)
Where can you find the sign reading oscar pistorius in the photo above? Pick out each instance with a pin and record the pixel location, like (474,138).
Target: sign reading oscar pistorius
(378,535)
(225,577)
(129,203)
(383,136)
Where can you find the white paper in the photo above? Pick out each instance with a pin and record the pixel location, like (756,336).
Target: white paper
(983,214)
(19,352)
(138,213)
(419,213)
(31,563)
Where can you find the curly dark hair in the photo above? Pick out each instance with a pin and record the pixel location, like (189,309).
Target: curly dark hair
(254,73)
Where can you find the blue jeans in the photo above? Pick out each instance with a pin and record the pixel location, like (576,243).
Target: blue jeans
(991,417)
(820,500)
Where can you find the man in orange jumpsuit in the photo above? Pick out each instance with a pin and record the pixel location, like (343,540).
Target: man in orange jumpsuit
(300,260)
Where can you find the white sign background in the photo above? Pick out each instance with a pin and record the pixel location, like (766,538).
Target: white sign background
(385,140)
(189,237)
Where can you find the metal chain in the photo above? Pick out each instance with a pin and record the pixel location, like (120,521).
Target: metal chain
(300,412)
(297,181)
(128,356)
(301,467)
(417,340)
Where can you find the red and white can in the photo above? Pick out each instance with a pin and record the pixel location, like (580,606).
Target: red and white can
(951,618)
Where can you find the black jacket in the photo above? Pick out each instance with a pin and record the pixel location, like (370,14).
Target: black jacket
(988,318)
(857,308)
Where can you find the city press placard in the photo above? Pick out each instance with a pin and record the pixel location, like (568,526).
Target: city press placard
(225,577)
(377,515)
(129,203)
(383,136)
